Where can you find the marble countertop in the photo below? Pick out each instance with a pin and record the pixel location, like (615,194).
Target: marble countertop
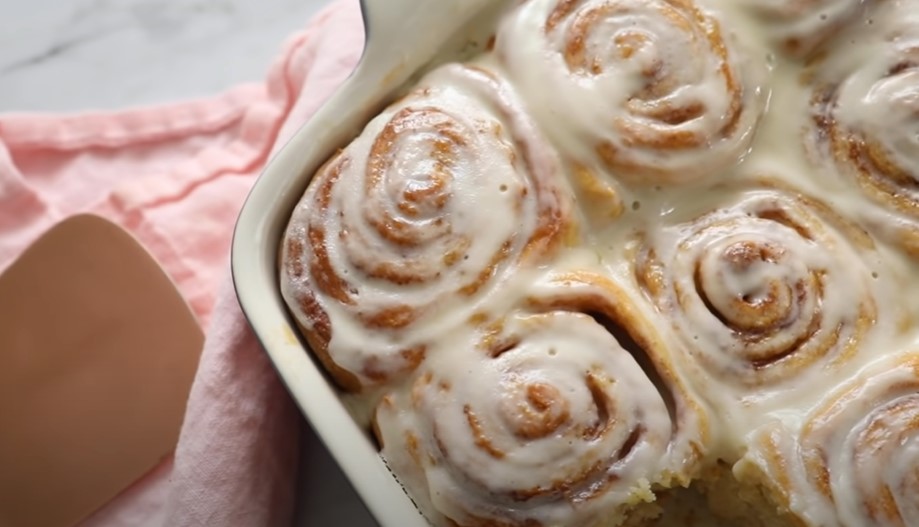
(73,55)
(65,55)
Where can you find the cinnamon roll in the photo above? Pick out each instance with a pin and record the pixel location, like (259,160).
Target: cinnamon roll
(801,27)
(866,123)
(763,289)
(546,416)
(388,246)
(652,91)
(853,461)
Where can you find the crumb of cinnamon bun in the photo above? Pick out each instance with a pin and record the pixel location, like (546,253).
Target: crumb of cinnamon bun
(746,494)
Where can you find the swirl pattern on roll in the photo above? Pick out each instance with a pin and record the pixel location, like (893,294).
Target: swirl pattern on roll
(855,460)
(390,233)
(764,288)
(867,122)
(802,27)
(652,91)
(542,418)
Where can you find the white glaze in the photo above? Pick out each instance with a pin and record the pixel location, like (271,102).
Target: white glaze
(557,352)
(493,160)
(798,276)
(664,62)
(691,207)
(864,435)
(802,26)
(882,105)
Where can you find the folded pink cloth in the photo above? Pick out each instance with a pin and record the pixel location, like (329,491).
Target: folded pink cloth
(176,177)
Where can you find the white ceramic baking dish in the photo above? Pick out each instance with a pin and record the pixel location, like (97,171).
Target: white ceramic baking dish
(404,38)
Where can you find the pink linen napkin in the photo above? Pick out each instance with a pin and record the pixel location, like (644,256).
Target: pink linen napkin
(176,176)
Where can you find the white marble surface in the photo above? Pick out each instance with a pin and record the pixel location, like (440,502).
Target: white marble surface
(67,55)
(74,55)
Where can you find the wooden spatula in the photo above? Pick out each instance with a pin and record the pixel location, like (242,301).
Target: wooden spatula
(97,354)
